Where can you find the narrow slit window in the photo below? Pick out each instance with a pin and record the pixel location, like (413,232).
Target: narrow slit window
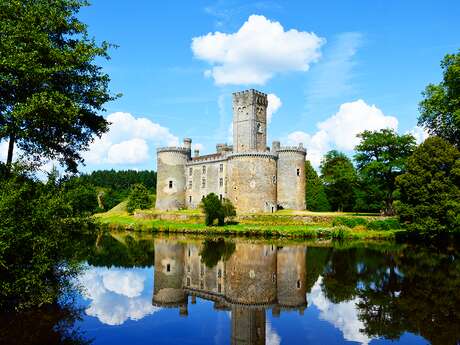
(298,172)
(170,184)
(168,268)
(190,171)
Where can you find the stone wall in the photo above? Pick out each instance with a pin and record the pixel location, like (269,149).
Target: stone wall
(252,182)
(291,179)
(171,178)
(213,174)
(291,268)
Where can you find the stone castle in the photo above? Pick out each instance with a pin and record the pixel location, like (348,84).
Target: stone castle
(254,279)
(252,176)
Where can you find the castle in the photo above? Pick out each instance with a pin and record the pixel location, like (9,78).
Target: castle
(254,279)
(252,176)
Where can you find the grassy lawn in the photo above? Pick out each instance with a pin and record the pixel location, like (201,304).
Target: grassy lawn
(283,223)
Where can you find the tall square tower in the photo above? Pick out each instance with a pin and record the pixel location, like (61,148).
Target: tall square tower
(249,121)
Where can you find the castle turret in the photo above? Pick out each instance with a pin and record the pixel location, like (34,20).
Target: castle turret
(171,181)
(169,273)
(291,177)
(249,121)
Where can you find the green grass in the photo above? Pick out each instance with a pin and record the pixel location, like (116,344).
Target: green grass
(258,227)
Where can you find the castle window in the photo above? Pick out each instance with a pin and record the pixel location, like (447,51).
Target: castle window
(190,171)
(219,287)
(190,184)
(221,168)
(219,273)
(220,197)
(188,268)
(221,182)
(168,268)
(188,281)
(274,179)
(170,184)
(201,285)
(298,284)
(298,172)
(203,170)
(189,252)
(203,183)
(190,199)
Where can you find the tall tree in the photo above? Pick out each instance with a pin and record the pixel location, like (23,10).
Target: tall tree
(315,196)
(430,189)
(339,177)
(440,108)
(51,89)
(380,157)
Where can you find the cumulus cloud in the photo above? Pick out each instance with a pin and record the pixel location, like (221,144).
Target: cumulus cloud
(419,133)
(117,295)
(339,131)
(274,103)
(127,141)
(271,337)
(343,316)
(260,49)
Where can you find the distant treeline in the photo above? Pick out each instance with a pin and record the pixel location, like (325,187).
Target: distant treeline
(114,186)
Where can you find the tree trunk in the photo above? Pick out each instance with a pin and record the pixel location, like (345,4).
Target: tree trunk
(9,158)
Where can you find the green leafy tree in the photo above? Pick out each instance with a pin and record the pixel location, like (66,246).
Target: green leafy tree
(315,196)
(429,192)
(380,157)
(440,108)
(228,208)
(212,208)
(139,198)
(51,90)
(214,250)
(339,177)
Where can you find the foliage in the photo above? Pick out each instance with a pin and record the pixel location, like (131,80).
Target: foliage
(214,208)
(350,222)
(339,177)
(36,226)
(215,250)
(387,224)
(51,90)
(429,191)
(381,157)
(315,196)
(440,108)
(139,198)
(114,186)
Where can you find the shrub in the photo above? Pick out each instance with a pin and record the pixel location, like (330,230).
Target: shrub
(387,224)
(340,232)
(139,198)
(214,208)
(349,222)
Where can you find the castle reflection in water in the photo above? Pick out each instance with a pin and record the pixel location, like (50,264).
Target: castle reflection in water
(254,278)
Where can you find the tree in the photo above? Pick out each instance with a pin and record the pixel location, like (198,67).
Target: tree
(51,90)
(380,157)
(214,208)
(339,177)
(139,198)
(440,108)
(214,250)
(429,192)
(315,196)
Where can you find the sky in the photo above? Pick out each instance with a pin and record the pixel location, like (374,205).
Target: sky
(331,69)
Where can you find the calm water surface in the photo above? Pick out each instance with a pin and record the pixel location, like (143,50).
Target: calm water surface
(181,290)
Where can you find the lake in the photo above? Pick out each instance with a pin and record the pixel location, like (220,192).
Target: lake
(142,289)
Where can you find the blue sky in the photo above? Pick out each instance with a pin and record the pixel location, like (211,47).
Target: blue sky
(332,67)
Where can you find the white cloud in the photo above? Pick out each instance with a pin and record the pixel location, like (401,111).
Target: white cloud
(117,295)
(274,103)
(339,131)
(420,134)
(256,52)
(128,140)
(271,337)
(343,316)
(198,146)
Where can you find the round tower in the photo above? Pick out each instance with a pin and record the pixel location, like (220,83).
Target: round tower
(292,273)
(171,182)
(291,177)
(252,177)
(169,273)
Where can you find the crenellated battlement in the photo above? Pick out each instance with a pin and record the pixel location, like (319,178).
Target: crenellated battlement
(179,149)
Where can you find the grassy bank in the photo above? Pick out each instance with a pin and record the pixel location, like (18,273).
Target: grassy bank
(291,224)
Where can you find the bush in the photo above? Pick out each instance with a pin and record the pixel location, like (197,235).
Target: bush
(387,224)
(349,222)
(214,208)
(340,232)
(139,198)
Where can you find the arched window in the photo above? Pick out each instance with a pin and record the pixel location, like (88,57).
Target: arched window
(170,184)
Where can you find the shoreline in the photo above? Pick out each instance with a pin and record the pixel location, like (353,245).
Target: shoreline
(282,225)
